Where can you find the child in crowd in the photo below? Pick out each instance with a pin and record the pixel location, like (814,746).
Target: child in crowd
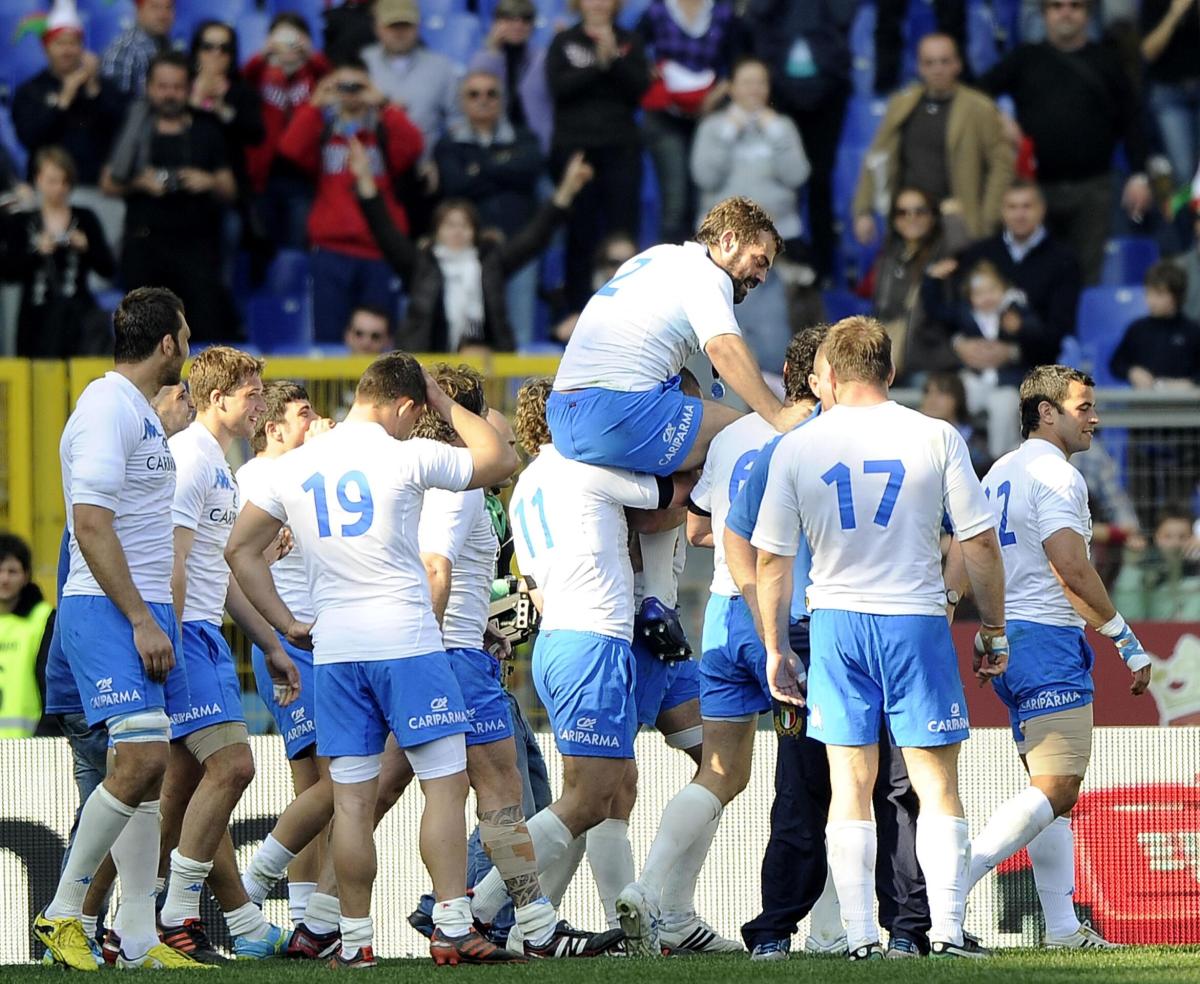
(1162,349)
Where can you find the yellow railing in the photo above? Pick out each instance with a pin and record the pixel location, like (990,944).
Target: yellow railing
(37,397)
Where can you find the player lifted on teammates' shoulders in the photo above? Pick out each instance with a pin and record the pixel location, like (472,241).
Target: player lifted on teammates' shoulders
(617,400)
(867,483)
(117,626)
(1052,591)
(352,498)
(211,764)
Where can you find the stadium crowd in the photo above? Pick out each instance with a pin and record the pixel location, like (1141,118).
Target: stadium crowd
(414,184)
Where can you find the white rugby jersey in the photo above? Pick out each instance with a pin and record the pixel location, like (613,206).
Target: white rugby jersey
(869,486)
(639,329)
(114,455)
(352,498)
(291,581)
(206,502)
(1035,492)
(457,526)
(569,528)
(730,457)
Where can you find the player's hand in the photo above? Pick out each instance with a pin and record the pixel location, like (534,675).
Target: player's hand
(155,648)
(495,642)
(281,546)
(1141,681)
(865,230)
(786,678)
(318,427)
(436,398)
(991,654)
(299,634)
(791,416)
(1131,650)
(285,678)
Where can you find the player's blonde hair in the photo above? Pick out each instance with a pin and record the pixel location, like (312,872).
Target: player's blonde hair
(859,349)
(530,422)
(746,219)
(220,368)
(465,387)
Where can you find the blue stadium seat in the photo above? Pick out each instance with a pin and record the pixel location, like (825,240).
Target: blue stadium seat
(310,10)
(863,115)
(104,21)
(631,12)
(280,323)
(8,138)
(290,273)
(1126,260)
(862,49)
(458,40)
(919,21)
(1104,314)
(981,37)
(843,304)
(20,60)
(252,27)
(189,13)
(436,14)
(845,176)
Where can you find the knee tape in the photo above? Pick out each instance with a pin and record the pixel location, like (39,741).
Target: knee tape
(507,842)
(140,726)
(685,739)
(348,769)
(208,741)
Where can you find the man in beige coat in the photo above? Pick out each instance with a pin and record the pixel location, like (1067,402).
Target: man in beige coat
(940,136)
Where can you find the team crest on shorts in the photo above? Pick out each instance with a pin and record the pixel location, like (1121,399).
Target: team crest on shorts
(789,721)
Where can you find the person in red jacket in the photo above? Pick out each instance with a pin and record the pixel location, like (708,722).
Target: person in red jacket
(348,269)
(285,75)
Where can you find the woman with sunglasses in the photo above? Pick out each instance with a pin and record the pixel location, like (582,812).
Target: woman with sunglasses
(217,88)
(919,234)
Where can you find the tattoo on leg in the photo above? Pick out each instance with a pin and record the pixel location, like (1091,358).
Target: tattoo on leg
(506,840)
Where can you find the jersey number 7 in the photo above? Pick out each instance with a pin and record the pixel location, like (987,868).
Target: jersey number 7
(839,476)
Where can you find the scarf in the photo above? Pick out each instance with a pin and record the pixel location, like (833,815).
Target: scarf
(462,294)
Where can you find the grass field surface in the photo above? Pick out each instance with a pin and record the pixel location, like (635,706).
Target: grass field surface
(1135,965)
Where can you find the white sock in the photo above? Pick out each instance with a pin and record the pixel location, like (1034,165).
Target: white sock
(559,875)
(1053,855)
(356,934)
(159,884)
(298,895)
(852,847)
(1014,824)
(658,565)
(679,890)
(944,853)
(453,917)
(100,823)
(825,920)
(323,914)
(184,889)
(135,853)
(90,924)
(536,921)
(267,866)
(611,860)
(684,820)
(550,838)
(247,920)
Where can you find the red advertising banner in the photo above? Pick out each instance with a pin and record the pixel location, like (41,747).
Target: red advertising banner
(1174,697)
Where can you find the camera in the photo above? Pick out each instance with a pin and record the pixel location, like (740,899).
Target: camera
(168,177)
(350,88)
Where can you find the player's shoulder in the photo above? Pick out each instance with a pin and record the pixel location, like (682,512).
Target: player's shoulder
(747,432)
(112,396)
(1047,466)
(256,469)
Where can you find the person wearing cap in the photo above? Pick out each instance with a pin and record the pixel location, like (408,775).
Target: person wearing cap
(423,82)
(510,53)
(70,105)
(127,57)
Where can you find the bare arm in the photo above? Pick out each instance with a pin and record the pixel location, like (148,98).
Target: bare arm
(253,532)
(732,358)
(438,570)
(93,529)
(954,575)
(740,558)
(492,458)
(1155,43)
(283,671)
(699,530)
(785,675)
(184,538)
(985,572)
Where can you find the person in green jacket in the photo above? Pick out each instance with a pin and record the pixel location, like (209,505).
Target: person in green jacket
(24,638)
(1163,581)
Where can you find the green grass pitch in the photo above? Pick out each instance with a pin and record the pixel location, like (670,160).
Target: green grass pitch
(1135,965)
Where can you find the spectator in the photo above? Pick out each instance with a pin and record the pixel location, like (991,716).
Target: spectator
(285,74)
(692,45)
(369,331)
(25,630)
(942,137)
(951,19)
(510,54)
(807,46)
(1170,35)
(984,329)
(348,268)
(945,398)
(456,281)
(495,166)
(1075,132)
(749,149)
(1189,262)
(69,105)
(1034,262)
(172,168)
(918,235)
(597,74)
(1162,349)
(51,253)
(349,28)
(1162,581)
(128,56)
(424,82)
